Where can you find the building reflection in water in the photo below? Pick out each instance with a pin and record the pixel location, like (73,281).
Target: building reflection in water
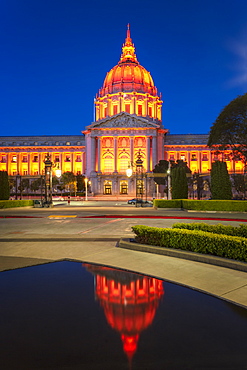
(129,301)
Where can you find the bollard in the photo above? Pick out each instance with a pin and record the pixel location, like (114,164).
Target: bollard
(68,200)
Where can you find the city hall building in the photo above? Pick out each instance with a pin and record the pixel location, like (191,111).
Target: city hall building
(128,125)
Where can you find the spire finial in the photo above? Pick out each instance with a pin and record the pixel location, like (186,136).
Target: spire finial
(128,49)
(128,31)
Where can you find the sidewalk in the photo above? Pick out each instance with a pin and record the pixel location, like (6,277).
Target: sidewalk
(28,242)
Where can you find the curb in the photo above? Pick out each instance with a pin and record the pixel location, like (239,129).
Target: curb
(192,256)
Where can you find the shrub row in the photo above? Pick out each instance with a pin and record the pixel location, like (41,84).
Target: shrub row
(226,246)
(203,205)
(163,203)
(240,230)
(15,203)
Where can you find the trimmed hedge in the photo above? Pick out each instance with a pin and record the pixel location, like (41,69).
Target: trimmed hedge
(215,205)
(226,246)
(203,205)
(163,203)
(15,203)
(240,230)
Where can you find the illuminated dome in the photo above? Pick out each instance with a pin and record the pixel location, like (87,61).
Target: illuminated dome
(128,75)
(128,87)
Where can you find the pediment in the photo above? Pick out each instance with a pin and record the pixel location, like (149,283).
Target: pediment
(123,120)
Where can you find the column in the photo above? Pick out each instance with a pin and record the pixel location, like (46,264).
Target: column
(120,102)
(200,162)
(154,150)
(99,154)
(146,106)
(115,154)
(40,163)
(131,149)
(210,160)
(134,105)
(188,161)
(148,154)
(29,163)
(83,162)
(18,167)
(160,146)
(72,156)
(88,155)
(93,148)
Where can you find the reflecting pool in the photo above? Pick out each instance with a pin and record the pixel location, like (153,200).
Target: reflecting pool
(68,315)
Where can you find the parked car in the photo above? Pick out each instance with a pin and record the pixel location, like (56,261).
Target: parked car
(141,201)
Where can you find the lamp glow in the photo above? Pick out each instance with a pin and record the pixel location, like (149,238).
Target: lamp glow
(58,172)
(129,172)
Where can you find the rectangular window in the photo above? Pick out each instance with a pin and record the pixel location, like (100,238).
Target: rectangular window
(67,158)
(78,158)
(105,112)
(14,159)
(24,159)
(25,172)
(108,165)
(114,109)
(139,110)
(35,158)
(35,172)
(127,108)
(204,157)
(57,159)
(150,112)
(172,158)
(193,157)
(124,164)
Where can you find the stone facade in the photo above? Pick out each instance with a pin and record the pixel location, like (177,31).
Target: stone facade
(128,125)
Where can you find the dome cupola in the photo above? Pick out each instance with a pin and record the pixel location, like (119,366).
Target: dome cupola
(128,87)
(128,75)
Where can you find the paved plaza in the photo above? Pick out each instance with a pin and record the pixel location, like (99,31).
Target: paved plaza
(89,232)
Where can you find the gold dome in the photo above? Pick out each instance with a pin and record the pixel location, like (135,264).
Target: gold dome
(128,75)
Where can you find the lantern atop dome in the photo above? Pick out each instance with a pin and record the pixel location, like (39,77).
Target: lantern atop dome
(128,50)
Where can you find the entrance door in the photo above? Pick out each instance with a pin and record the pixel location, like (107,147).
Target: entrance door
(123,187)
(107,187)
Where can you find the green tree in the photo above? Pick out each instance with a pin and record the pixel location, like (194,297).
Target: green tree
(239,183)
(35,185)
(220,181)
(198,183)
(229,131)
(80,180)
(179,182)
(68,179)
(12,185)
(4,186)
(24,184)
(160,169)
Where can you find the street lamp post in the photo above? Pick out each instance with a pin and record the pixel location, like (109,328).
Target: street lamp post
(48,179)
(139,177)
(18,181)
(86,181)
(169,195)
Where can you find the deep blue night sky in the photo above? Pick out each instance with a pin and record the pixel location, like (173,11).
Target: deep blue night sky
(55,55)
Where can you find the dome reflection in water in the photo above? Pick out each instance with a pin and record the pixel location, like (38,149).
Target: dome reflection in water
(129,301)
(69,315)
